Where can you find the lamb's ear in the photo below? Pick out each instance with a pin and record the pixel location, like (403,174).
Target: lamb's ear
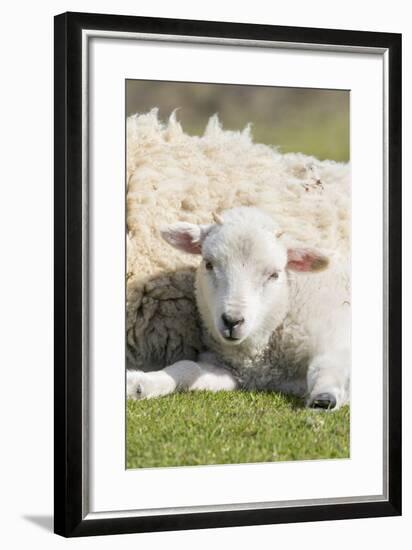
(306,259)
(184,236)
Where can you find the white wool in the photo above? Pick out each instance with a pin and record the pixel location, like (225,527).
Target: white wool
(286,321)
(174,177)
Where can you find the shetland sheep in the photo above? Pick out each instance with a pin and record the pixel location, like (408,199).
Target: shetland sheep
(287,332)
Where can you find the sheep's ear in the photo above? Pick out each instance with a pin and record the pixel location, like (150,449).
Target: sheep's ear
(184,236)
(306,259)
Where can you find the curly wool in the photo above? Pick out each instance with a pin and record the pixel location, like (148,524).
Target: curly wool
(171,177)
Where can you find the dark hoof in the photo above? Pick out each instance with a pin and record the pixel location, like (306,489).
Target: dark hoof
(323,401)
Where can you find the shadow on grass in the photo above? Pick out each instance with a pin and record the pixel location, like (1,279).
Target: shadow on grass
(293,401)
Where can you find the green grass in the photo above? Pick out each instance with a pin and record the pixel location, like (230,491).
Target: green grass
(332,142)
(299,134)
(231,428)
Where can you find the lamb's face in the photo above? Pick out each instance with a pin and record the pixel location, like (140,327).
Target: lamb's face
(241,280)
(242,284)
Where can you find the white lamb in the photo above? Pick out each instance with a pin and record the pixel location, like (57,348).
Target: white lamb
(274,317)
(172,176)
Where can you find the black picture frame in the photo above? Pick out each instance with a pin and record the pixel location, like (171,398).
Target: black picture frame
(69,517)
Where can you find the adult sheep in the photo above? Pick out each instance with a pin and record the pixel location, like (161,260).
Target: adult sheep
(272,289)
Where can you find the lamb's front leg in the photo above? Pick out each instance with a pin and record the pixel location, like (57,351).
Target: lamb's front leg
(181,376)
(328,380)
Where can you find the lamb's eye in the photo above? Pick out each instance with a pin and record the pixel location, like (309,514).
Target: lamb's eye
(209,265)
(274,275)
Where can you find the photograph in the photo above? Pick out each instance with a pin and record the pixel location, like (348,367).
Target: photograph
(238,274)
(228,247)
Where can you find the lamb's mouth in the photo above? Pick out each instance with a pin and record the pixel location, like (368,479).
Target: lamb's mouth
(231,338)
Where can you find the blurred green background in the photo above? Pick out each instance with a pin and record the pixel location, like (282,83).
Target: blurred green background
(315,122)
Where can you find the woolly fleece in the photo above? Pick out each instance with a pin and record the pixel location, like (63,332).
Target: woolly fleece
(171,177)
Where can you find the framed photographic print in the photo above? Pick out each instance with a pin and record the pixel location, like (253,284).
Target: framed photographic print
(227,274)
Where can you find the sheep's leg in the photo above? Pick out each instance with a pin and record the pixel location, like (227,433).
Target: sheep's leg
(328,380)
(181,376)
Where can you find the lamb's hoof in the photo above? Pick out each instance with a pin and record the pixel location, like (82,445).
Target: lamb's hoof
(135,387)
(323,401)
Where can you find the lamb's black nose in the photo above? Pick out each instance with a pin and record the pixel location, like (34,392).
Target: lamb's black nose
(231,322)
